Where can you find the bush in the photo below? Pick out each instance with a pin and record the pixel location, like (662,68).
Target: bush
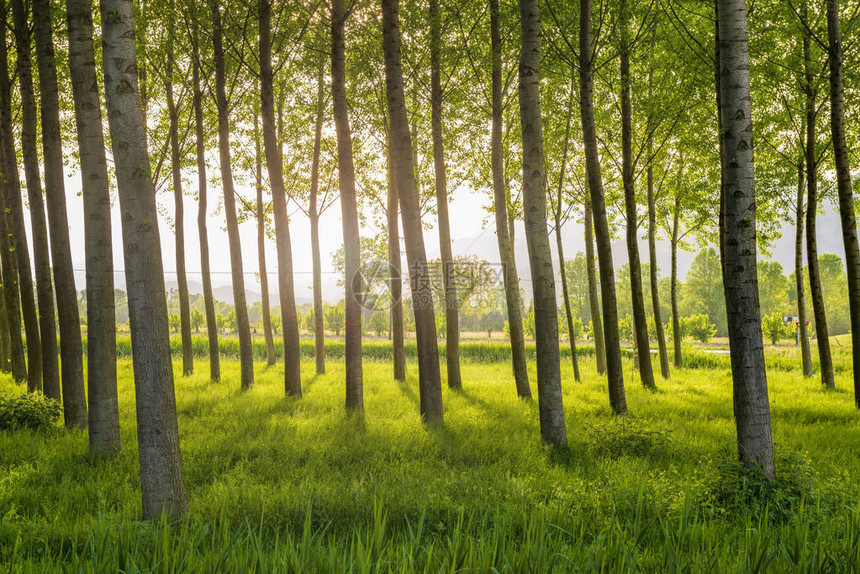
(774,329)
(698,327)
(29,411)
(737,490)
(625,438)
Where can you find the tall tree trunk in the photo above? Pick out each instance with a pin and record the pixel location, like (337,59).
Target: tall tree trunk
(452,312)
(261,246)
(652,233)
(676,320)
(749,376)
(10,199)
(71,349)
(351,241)
(429,379)
(593,298)
(141,36)
(571,332)
(11,292)
(202,206)
(104,435)
(615,374)
(635,348)
(395,273)
(243,327)
(179,207)
(33,323)
(500,205)
(314,216)
(161,476)
(805,354)
(283,243)
(550,404)
(5,337)
(721,227)
(822,334)
(640,321)
(843,185)
(652,256)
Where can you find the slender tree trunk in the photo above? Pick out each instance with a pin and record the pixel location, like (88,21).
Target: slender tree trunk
(593,297)
(676,320)
(351,242)
(511,216)
(652,233)
(104,435)
(202,211)
(261,247)
(500,205)
(843,185)
(640,321)
(822,334)
(243,327)
(313,212)
(550,405)
(11,344)
(33,322)
(817,293)
(161,476)
(395,272)
(749,376)
(71,349)
(179,208)
(571,332)
(5,337)
(429,379)
(11,290)
(721,227)
(283,243)
(615,374)
(655,288)
(805,354)
(452,312)
(635,349)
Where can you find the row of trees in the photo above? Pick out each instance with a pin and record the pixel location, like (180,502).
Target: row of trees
(181,78)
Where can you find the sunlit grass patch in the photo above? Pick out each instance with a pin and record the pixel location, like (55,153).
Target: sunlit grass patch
(285,485)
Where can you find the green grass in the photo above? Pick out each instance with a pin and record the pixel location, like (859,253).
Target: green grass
(284,485)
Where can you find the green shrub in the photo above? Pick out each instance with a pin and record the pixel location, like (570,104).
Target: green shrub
(625,438)
(29,411)
(698,327)
(774,328)
(737,490)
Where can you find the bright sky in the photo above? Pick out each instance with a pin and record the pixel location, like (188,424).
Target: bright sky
(473,232)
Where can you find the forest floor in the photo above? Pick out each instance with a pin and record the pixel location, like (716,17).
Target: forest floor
(286,485)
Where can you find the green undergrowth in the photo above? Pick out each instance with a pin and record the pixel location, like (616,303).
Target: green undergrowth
(297,485)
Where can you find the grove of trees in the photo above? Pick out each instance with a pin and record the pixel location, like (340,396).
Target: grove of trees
(709,126)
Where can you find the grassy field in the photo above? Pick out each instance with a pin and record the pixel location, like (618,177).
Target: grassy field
(283,485)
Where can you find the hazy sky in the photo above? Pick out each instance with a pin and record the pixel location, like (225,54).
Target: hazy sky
(472,230)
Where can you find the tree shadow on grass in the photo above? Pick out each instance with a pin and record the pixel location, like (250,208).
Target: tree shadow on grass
(491,408)
(309,382)
(409,391)
(348,426)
